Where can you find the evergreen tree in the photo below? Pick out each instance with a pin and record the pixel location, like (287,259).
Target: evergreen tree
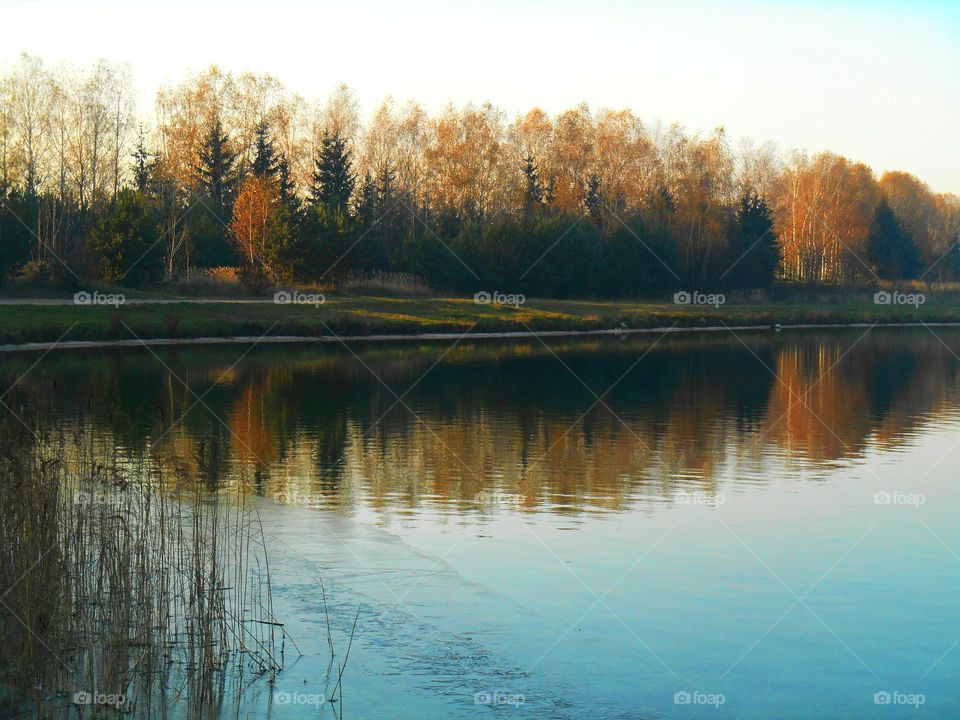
(368,202)
(288,193)
(216,172)
(384,189)
(753,250)
(14,235)
(142,164)
(333,178)
(593,199)
(890,247)
(534,192)
(266,164)
(123,242)
(662,207)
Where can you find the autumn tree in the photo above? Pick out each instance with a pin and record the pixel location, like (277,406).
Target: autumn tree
(253,224)
(823,210)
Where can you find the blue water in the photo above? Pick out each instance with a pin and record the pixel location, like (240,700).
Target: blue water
(754,530)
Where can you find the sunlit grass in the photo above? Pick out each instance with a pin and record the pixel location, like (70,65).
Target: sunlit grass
(379,315)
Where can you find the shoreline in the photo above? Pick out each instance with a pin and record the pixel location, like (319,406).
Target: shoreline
(49,346)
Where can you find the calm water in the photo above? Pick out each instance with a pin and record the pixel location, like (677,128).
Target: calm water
(715,526)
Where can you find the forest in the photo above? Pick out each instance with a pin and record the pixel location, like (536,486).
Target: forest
(237,172)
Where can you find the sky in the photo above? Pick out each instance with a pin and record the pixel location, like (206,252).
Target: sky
(875,81)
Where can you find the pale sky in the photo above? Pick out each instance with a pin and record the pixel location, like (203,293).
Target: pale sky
(875,81)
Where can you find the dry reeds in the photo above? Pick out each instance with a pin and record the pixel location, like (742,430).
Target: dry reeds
(122,588)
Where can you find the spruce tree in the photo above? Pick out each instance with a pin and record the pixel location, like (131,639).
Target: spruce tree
(266,164)
(368,202)
(534,192)
(593,199)
(288,194)
(216,172)
(333,178)
(142,165)
(217,179)
(890,247)
(753,250)
(384,189)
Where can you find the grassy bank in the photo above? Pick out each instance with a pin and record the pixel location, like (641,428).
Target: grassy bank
(376,315)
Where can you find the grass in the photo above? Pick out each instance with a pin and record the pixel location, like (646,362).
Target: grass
(348,315)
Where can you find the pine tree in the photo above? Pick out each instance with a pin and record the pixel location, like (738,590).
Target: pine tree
(333,178)
(890,247)
(266,164)
(216,172)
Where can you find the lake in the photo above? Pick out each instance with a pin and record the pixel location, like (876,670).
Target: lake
(719,525)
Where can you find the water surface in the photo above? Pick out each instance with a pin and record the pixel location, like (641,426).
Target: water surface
(598,528)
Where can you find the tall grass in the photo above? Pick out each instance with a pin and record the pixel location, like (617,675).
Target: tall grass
(384,284)
(123,583)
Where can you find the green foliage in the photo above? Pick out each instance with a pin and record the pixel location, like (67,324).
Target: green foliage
(593,199)
(638,261)
(753,249)
(890,247)
(122,243)
(333,178)
(328,236)
(216,172)
(285,252)
(207,237)
(15,207)
(535,193)
(142,164)
(367,202)
(266,164)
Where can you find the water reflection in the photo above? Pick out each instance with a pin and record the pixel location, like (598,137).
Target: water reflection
(567,425)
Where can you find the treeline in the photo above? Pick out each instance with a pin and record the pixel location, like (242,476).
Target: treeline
(237,171)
